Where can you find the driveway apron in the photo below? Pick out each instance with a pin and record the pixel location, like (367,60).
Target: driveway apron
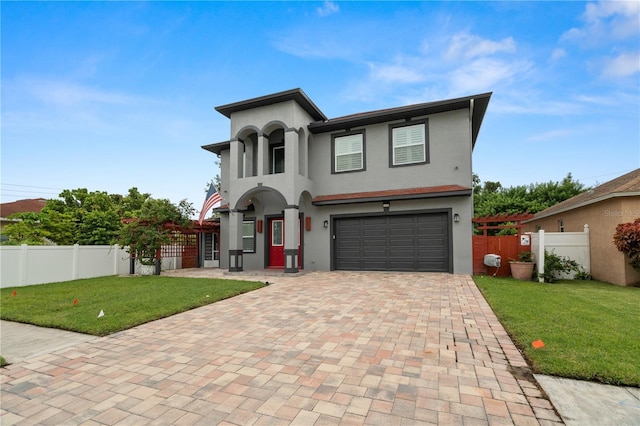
(320,348)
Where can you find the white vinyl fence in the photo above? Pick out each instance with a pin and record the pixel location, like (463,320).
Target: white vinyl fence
(574,245)
(28,265)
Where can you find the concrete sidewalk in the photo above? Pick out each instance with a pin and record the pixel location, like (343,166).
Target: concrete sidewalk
(320,348)
(21,341)
(583,403)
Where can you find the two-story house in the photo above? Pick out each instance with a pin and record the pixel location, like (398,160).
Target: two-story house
(380,190)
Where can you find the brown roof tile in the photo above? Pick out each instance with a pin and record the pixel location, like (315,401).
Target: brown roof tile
(406,193)
(22,206)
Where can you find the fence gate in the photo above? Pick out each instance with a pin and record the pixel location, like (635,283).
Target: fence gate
(506,246)
(182,252)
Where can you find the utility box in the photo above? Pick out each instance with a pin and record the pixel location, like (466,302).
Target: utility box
(492,260)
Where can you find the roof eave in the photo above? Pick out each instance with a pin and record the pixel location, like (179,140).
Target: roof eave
(481,102)
(288,95)
(217,148)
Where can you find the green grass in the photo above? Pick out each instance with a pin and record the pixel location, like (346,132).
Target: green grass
(126,301)
(591,330)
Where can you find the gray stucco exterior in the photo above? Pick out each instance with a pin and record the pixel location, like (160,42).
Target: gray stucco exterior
(260,182)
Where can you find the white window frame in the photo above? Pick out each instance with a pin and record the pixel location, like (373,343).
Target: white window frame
(247,237)
(279,222)
(350,141)
(405,130)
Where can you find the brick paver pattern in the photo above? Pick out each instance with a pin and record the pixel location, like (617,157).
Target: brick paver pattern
(321,348)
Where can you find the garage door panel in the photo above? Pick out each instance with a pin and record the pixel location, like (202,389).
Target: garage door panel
(404,242)
(374,253)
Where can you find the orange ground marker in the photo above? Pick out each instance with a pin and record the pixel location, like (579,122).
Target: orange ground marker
(75,302)
(14,294)
(538,344)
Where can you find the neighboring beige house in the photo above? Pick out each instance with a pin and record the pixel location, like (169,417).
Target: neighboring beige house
(602,208)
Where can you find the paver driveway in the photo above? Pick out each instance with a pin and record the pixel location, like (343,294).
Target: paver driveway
(320,348)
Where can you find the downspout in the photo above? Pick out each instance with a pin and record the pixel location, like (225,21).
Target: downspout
(471,106)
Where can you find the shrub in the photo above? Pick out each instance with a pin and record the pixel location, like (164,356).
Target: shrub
(554,265)
(525,256)
(627,240)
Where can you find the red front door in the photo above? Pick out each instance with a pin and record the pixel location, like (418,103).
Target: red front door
(276,243)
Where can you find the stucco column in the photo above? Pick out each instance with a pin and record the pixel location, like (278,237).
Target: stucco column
(235,159)
(235,241)
(291,239)
(291,160)
(263,155)
(249,155)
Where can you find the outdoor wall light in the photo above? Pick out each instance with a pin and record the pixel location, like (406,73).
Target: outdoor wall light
(325,224)
(456,218)
(385,204)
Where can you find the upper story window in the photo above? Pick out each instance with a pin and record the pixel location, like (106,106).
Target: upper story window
(409,143)
(277,159)
(348,152)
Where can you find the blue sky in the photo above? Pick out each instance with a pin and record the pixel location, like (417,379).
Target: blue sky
(111,95)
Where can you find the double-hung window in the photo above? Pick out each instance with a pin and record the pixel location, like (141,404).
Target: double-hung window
(409,143)
(348,152)
(249,236)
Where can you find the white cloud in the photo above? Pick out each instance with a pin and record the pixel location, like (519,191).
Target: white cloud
(609,35)
(403,70)
(466,46)
(605,21)
(558,54)
(487,74)
(552,135)
(623,65)
(395,73)
(328,8)
(604,9)
(69,94)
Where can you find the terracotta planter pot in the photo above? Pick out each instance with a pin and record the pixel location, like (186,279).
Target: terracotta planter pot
(522,270)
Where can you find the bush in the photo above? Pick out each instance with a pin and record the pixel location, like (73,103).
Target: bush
(554,265)
(627,240)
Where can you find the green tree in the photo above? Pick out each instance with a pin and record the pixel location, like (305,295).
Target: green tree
(152,227)
(83,217)
(492,198)
(78,216)
(27,229)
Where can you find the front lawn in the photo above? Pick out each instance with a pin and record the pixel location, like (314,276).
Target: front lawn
(591,330)
(125,301)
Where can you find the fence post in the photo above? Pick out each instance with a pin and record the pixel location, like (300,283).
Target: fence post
(74,262)
(540,255)
(586,231)
(23,264)
(116,253)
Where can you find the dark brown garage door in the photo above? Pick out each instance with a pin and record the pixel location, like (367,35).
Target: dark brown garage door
(406,242)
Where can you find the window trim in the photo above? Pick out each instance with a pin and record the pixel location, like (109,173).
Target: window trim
(408,123)
(252,220)
(333,151)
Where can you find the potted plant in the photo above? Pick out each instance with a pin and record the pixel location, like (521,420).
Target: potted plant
(522,269)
